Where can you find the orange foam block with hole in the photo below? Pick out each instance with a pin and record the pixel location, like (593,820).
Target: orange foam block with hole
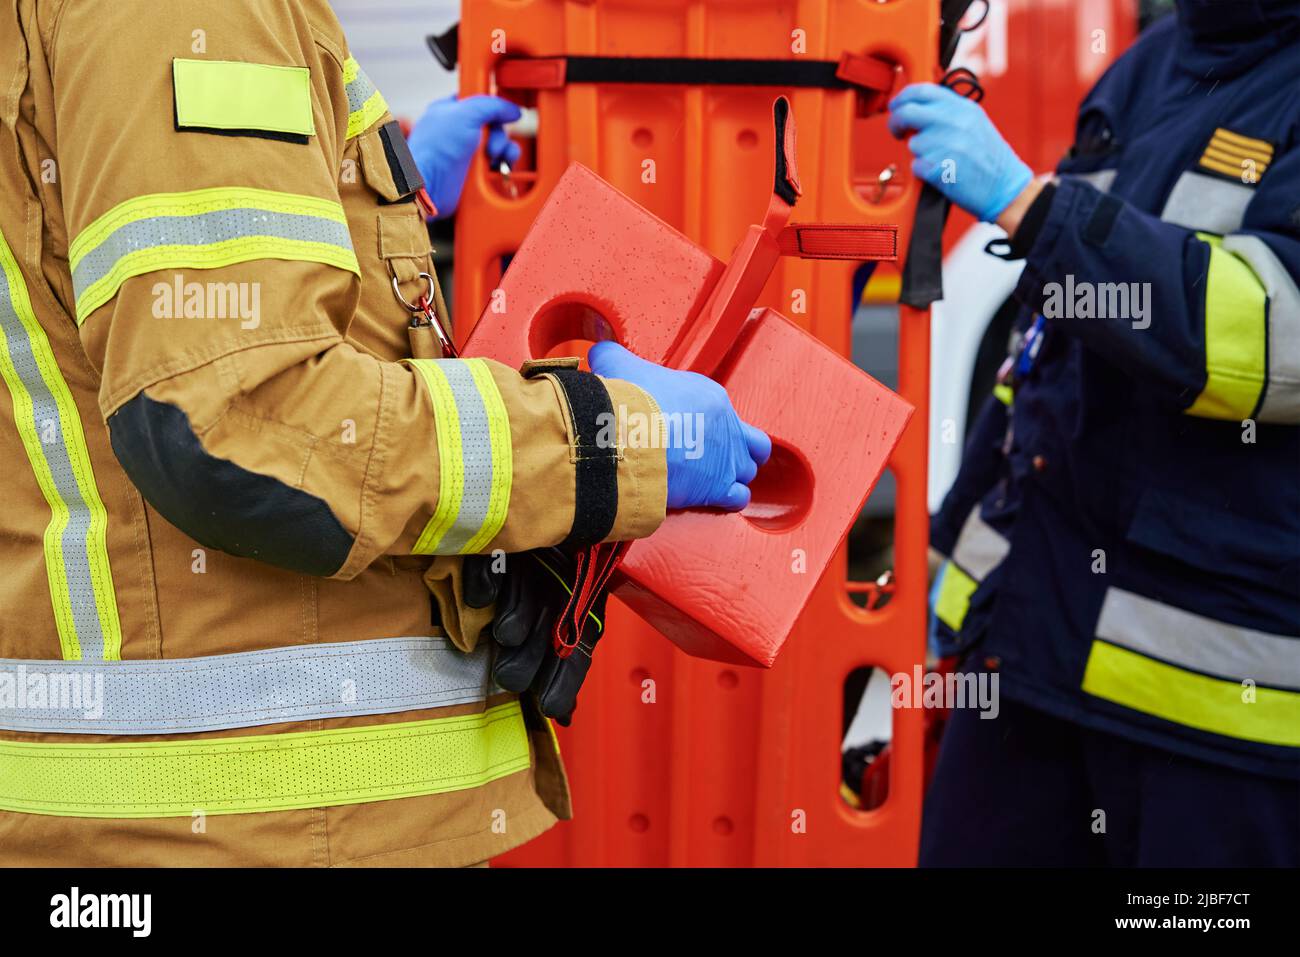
(730,587)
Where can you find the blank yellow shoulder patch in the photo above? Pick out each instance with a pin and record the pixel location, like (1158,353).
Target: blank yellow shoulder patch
(251,98)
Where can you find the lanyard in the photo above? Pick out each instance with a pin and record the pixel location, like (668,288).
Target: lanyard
(1016,369)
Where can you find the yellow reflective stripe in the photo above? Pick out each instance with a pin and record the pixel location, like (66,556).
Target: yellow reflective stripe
(1235,337)
(1003,393)
(198,201)
(231,95)
(475,453)
(1190,699)
(360,120)
(502,457)
(555,738)
(451,465)
(75,544)
(204,229)
(271,772)
(365,104)
(954,596)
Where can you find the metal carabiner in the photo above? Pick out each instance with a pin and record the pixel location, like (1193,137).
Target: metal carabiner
(423,313)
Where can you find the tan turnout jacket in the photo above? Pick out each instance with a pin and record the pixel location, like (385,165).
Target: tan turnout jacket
(211,449)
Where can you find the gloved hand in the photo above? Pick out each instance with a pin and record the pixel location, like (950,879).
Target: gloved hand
(444,140)
(985,174)
(712,455)
(531,592)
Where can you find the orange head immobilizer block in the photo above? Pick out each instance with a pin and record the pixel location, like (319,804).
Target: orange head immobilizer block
(595,265)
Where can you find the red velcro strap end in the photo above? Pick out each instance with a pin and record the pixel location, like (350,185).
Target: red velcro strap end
(868,72)
(839,241)
(542,73)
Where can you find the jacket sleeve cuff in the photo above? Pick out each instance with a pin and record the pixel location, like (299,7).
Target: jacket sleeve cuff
(642,464)
(1065,201)
(1032,224)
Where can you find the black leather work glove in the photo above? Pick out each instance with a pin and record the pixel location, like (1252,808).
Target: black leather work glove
(534,593)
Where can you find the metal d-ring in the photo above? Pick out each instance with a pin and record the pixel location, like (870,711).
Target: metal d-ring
(424,300)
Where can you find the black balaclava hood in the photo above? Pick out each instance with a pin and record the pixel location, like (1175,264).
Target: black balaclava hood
(1218,39)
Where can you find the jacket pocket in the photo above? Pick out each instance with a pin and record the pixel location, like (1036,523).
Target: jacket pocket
(392,243)
(1217,542)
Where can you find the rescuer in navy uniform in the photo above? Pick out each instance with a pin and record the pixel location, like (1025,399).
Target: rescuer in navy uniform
(1124,537)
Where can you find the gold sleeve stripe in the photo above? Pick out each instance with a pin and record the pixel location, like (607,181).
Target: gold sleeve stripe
(1227,137)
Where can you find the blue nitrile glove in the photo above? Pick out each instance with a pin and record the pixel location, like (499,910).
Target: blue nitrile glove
(984,174)
(444,140)
(712,455)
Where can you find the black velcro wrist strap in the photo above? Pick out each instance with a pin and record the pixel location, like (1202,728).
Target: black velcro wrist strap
(596,464)
(401,162)
(1102,220)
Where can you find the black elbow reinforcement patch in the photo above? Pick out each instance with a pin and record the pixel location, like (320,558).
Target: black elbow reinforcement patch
(218,503)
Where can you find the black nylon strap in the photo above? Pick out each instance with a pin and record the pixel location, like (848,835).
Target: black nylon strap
(950,14)
(923,271)
(696,71)
(782,186)
(596,468)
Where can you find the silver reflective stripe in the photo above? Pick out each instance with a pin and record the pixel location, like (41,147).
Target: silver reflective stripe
(1207,203)
(203,229)
(979,548)
(32,374)
(476,451)
(359,91)
(1282,396)
(1198,643)
(1102,179)
(184,695)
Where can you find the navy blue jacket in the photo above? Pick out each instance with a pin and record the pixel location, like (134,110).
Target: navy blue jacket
(1125,531)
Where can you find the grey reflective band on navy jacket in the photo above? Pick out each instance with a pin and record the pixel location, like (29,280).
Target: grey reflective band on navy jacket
(979,548)
(185,695)
(1195,642)
(1101,180)
(1207,204)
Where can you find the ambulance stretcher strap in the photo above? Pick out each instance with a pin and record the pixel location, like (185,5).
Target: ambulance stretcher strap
(852,70)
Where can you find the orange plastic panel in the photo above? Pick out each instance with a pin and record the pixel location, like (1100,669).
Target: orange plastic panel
(676,760)
(721,586)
